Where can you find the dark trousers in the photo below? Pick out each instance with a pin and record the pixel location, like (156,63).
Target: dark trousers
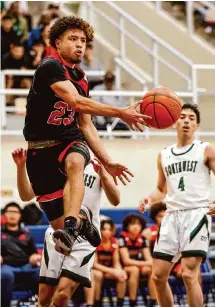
(8,279)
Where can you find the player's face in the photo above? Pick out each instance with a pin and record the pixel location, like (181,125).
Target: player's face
(72,45)
(12,216)
(187,123)
(107,232)
(134,228)
(159,217)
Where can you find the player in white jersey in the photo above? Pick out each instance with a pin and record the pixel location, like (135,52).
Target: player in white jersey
(67,272)
(184,180)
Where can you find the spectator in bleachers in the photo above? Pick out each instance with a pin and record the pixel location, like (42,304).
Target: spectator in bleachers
(136,257)
(157,212)
(109,85)
(90,62)
(36,55)
(8,35)
(20,23)
(53,11)
(107,265)
(18,253)
(35,34)
(15,59)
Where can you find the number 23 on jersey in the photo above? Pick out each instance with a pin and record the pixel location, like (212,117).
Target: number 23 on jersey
(57,117)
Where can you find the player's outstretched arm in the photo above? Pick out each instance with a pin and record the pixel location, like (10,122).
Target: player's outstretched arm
(159,194)
(210,158)
(210,161)
(116,170)
(107,183)
(67,91)
(26,192)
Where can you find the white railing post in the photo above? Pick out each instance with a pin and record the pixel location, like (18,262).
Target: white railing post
(118,77)
(122,36)
(189,6)
(194,85)
(158,6)
(3,102)
(155,64)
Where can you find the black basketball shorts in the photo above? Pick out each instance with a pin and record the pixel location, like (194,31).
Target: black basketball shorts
(46,168)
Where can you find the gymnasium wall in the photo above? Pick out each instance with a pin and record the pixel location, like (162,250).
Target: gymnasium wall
(138,155)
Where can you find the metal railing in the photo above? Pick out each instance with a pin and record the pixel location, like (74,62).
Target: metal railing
(192,6)
(157,41)
(110,129)
(122,59)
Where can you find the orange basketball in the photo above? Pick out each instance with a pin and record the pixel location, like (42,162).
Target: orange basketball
(163,106)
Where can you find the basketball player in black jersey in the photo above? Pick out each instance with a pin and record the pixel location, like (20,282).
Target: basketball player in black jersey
(58,130)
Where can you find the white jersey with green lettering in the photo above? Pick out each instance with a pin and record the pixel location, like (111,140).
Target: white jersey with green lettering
(92,194)
(187,176)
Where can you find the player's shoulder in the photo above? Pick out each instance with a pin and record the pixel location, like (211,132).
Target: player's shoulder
(167,149)
(201,144)
(50,63)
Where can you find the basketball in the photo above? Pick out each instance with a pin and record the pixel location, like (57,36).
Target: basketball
(163,106)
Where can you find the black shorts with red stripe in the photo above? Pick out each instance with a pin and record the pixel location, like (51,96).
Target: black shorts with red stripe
(46,168)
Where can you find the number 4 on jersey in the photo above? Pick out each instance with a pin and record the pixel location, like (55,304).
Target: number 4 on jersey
(181,185)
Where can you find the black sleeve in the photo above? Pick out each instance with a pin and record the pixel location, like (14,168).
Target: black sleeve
(121,241)
(31,246)
(51,71)
(144,242)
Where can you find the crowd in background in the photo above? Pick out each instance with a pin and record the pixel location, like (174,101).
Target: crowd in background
(121,259)
(203,17)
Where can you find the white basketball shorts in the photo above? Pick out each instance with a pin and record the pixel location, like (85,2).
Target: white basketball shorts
(77,266)
(183,233)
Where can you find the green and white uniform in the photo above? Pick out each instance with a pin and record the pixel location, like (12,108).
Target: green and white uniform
(77,266)
(185,228)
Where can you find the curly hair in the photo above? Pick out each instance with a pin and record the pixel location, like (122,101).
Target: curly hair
(66,23)
(132,218)
(155,209)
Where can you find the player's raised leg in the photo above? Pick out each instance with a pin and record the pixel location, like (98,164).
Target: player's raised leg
(160,274)
(190,273)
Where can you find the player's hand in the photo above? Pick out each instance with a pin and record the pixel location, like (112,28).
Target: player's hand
(35,259)
(1,259)
(19,156)
(133,118)
(211,211)
(97,165)
(118,171)
(119,274)
(144,204)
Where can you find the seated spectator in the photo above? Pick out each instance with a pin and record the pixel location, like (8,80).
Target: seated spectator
(107,265)
(53,11)
(15,59)
(35,34)
(136,257)
(109,85)
(8,35)
(157,212)
(36,55)
(18,254)
(20,24)
(90,62)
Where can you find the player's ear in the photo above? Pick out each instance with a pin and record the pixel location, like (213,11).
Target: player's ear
(57,43)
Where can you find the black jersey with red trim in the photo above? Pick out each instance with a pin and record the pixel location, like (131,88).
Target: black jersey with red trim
(135,246)
(48,117)
(105,256)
